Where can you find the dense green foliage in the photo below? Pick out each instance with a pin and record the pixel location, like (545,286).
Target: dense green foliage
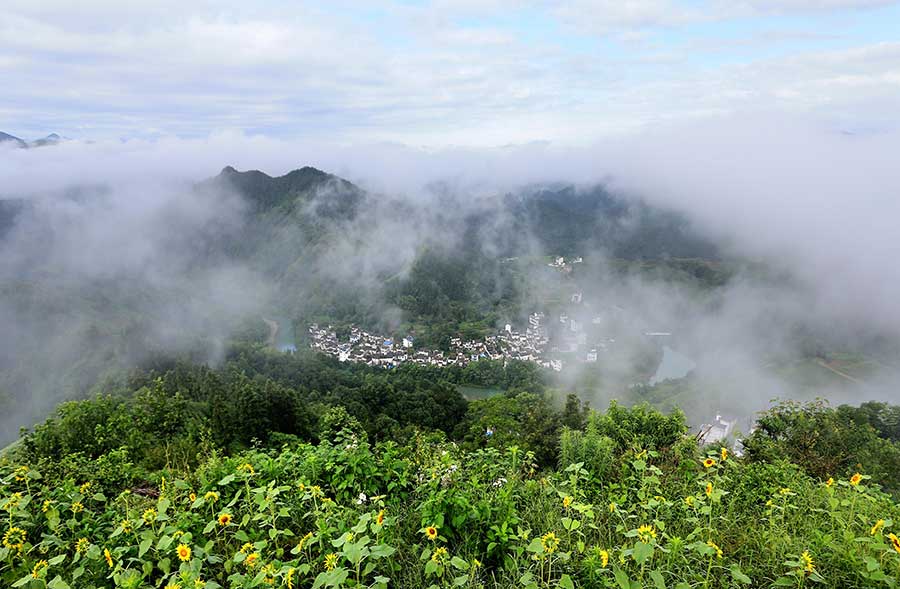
(826,440)
(299,471)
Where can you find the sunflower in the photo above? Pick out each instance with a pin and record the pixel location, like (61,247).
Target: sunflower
(83,489)
(38,567)
(21,473)
(567,501)
(715,547)
(877,527)
(199,583)
(14,538)
(439,555)
(13,501)
(709,489)
(173,586)
(646,533)
(895,541)
(604,558)
(184,552)
(108,556)
(723,453)
(331,561)
(47,505)
(856,479)
(247,467)
(224,519)
(829,482)
(379,519)
(289,578)
(251,560)
(549,542)
(192,497)
(689,500)
(807,561)
(302,541)
(82,545)
(431,533)
(709,462)
(149,516)
(211,496)
(248,547)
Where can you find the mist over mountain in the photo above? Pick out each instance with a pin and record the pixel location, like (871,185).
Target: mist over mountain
(100,278)
(493,294)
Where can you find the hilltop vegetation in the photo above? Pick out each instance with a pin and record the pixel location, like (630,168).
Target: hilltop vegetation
(296,471)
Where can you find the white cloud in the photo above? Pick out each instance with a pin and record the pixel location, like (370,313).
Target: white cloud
(442,73)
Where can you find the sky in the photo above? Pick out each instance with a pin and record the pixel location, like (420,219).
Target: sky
(441,73)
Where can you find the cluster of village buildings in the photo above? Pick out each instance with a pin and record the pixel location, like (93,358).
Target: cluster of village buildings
(531,345)
(377,350)
(563,265)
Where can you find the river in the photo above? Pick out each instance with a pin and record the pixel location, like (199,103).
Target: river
(673,365)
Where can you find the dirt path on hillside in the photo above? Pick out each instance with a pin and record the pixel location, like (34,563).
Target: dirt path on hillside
(825,364)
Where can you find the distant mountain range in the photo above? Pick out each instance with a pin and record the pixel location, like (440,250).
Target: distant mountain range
(51,139)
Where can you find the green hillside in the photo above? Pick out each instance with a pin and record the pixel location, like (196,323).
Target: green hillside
(292,471)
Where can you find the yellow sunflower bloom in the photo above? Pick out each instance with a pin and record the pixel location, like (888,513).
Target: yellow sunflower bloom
(807,561)
(439,555)
(38,567)
(289,578)
(646,533)
(184,552)
(14,539)
(252,560)
(604,558)
(549,542)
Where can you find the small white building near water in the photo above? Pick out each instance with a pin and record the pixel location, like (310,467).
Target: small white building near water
(718,430)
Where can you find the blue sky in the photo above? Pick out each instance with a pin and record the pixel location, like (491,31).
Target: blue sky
(438,73)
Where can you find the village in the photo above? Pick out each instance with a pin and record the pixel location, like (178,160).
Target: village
(377,350)
(532,345)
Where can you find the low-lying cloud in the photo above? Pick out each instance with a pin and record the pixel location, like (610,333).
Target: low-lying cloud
(812,202)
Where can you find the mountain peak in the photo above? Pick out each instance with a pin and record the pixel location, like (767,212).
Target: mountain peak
(7,138)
